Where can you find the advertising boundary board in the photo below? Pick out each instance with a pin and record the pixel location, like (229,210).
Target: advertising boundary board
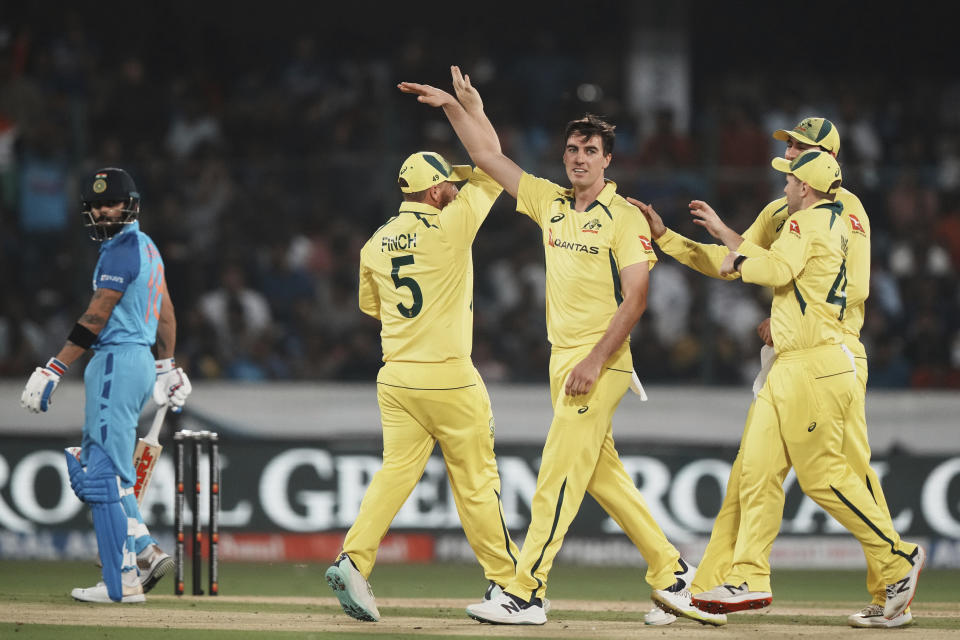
(293,500)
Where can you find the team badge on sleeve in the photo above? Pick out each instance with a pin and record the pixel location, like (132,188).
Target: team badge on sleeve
(645,241)
(795,227)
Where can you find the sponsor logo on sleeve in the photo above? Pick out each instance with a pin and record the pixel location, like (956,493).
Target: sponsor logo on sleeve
(645,241)
(108,278)
(855,224)
(795,227)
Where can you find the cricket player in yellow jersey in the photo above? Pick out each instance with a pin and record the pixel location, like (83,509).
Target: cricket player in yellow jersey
(810,133)
(598,257)
(799,413)
(416,277)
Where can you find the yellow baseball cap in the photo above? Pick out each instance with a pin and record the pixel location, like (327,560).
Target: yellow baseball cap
(818,169)
(818,132)
(425,169)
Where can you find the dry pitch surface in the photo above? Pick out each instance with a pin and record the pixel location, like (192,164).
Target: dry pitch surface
(404,616)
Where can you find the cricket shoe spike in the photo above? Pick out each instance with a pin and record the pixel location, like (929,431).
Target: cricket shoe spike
(504,608)
(493,590)
(132,593)
(352,590)
(726,598)
(900,593)
(871,617)
(153,564)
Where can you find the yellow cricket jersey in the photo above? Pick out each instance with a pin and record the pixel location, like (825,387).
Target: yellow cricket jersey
(416,276)
(806,267)
(765,230)
(585,252)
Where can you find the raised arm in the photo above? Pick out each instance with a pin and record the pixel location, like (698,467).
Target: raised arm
(473,128)
(704,258)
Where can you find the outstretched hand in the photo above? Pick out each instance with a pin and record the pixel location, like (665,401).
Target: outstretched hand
(427,94)
(706,217)
(468,96)
(657,228)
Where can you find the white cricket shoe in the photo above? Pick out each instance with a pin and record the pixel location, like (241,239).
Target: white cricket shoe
(900,593)
(153,564)
(658,617)
(352,590)
(132,593)
(726,598)
(680,603)
(493,590)
(871,616)
(506,609)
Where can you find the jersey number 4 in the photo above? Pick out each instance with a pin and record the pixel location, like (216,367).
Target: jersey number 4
(410,283)
(838,292)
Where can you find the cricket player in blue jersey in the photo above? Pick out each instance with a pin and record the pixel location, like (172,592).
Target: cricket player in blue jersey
(130,311)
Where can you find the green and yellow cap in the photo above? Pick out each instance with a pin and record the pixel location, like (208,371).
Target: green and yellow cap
(425,169)
(818,169)
(818,132)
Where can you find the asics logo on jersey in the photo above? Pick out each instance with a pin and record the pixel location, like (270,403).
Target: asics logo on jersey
(583,409)
(572,246)
(813,425)
(402,241)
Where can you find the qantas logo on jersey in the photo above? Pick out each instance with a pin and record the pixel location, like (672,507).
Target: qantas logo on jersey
(572,246)
(795,227)
(592,227)
(855,224)
(645,241)
(399,242)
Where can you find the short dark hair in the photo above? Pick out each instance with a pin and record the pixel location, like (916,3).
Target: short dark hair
(589,126)
(830,194)
(415,196)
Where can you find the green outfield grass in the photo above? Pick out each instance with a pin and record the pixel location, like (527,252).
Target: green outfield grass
(55,579)
(49,583)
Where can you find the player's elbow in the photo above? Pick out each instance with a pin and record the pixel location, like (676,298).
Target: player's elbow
(636,302)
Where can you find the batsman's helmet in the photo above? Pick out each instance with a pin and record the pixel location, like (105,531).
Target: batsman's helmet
(109,186)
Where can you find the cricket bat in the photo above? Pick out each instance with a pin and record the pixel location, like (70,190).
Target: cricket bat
(147,453)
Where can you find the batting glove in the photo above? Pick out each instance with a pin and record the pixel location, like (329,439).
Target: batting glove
(41,385)
(172,386)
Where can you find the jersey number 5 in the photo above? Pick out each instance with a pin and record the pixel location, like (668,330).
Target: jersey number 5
(838,292)
(410,283)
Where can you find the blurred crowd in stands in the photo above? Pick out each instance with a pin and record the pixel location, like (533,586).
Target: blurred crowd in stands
(262,176)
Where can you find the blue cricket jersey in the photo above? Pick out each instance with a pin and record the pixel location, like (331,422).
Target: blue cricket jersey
(129,262)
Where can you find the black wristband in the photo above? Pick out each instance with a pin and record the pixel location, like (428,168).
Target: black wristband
(81,336)
(738,261)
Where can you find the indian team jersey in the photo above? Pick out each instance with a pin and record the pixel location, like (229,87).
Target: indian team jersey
(706,258)
(584,251)
(416,275)
(129,262)
(806,266)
